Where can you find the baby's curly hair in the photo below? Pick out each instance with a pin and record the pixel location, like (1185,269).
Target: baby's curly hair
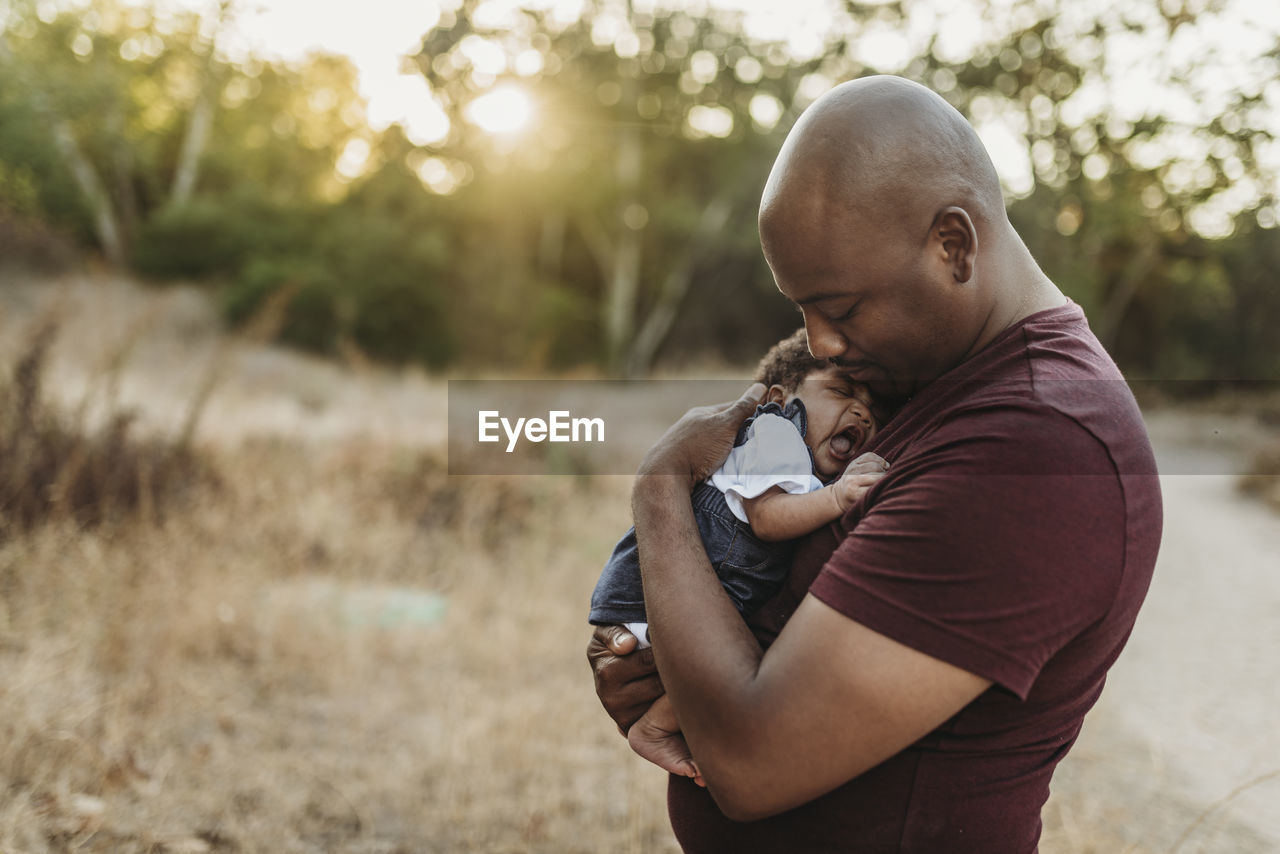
(788,362)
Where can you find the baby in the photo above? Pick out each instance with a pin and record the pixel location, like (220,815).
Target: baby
(785,477)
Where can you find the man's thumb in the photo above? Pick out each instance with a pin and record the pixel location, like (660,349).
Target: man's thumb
(619,640)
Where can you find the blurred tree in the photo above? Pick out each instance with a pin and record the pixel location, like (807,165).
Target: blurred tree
(145,115)
(647,126)
(669,112)
(200,117)
(1141,155)
(593,199)
(63,89)
(1124,196)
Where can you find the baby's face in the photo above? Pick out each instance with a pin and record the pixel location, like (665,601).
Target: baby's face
(840,419)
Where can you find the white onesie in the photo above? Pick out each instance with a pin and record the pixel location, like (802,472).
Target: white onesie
(774,454)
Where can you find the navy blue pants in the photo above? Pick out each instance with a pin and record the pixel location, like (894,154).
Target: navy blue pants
(750,569)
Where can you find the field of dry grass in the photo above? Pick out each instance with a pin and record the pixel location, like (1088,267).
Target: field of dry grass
(328,644)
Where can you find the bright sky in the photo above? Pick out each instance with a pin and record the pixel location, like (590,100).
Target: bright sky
(377,33)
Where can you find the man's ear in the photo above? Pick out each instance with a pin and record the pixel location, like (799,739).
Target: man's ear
(956,239)
(777,394)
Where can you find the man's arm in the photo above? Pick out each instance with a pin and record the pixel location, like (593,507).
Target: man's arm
(749,717)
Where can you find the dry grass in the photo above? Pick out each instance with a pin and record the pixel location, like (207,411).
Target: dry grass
(269,669)
(1262,480)
(182,687)
(54,465)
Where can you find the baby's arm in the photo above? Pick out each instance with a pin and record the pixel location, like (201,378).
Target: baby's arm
(777,515)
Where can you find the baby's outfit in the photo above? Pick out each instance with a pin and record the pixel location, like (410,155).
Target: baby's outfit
(769,451)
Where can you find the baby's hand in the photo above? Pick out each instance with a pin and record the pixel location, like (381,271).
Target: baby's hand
(858,477)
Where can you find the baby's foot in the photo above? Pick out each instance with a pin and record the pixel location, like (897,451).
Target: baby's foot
(664,747)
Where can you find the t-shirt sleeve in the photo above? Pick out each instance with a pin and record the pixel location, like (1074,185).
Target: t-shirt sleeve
(988,546)
(774,454)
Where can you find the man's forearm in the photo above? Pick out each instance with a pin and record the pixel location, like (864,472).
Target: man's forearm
(703,648)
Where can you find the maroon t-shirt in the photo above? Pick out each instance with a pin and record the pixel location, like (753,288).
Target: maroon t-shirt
(1014,536)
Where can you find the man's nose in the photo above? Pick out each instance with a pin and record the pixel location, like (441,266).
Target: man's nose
(825,341)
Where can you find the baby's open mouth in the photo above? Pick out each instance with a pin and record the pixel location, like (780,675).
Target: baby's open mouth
(846,442)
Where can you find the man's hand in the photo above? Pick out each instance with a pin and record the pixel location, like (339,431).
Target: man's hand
(859,476)
(626,683)
(700,441)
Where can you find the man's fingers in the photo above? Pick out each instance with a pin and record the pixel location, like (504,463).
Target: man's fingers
(753,394)
(628,703)
(619,640)
(744,406)
(626,683)
(739,409)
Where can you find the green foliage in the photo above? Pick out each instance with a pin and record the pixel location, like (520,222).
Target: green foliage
(32,183)
(311,319)
(395,279)
(370,282)
(212,237)
(564,328)
(618,229)
(201,239)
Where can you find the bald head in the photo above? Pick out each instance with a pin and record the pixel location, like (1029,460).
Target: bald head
(887,149)
(883,221)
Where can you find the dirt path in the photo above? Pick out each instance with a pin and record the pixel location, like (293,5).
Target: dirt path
(1191,711)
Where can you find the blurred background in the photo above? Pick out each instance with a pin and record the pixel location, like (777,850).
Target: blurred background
(243,246)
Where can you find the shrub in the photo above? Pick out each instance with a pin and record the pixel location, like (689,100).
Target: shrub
(52,467)
(200,239)
(392,275)
(368,279)
(214,237)
(34,245)
(311,318)
(1262,479)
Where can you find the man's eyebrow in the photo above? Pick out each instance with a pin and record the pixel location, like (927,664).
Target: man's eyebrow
(821,298)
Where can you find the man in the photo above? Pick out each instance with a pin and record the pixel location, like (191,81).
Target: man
(934,652)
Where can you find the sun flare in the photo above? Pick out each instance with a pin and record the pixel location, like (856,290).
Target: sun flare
(505,110)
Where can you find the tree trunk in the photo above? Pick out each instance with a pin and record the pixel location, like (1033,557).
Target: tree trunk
(623,283)
(199,123)
(675,288)
(105,225)
(123,165)
(193,144)
(1122,295)
(551,247)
